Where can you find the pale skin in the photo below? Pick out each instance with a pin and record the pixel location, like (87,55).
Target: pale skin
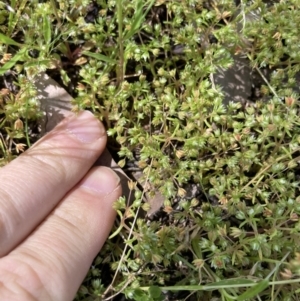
(55,212)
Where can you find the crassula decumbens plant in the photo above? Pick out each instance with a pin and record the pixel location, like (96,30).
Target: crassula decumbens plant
(226,169)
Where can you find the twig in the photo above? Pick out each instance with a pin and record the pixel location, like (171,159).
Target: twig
(125,248)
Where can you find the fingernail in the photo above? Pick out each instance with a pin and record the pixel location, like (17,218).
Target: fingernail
(85,127)
(101,179)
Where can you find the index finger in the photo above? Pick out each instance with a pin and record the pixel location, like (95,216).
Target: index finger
(35,182)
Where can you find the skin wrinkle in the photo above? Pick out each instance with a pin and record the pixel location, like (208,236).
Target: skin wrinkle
(51,142)
(76,219)
(47,168)
(83,124)
(65,224)
(62,159)
(62,128)
(18,210)
(56,265)
(10,273)
(9,293)
(7,211)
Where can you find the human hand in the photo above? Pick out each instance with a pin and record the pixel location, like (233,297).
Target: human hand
(55,212)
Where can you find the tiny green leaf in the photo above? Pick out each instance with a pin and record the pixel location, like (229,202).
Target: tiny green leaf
(229,283)
(99,57)
(154,291)
(36,62)
(138,18)
(8,41)
(253,291)
(18,57)
(47,29)
(196,247)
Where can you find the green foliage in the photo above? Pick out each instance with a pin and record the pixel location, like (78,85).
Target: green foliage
(145,69)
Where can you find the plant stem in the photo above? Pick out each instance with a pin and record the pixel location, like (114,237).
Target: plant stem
(120,65)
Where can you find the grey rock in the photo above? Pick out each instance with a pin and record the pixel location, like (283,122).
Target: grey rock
(236,82)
